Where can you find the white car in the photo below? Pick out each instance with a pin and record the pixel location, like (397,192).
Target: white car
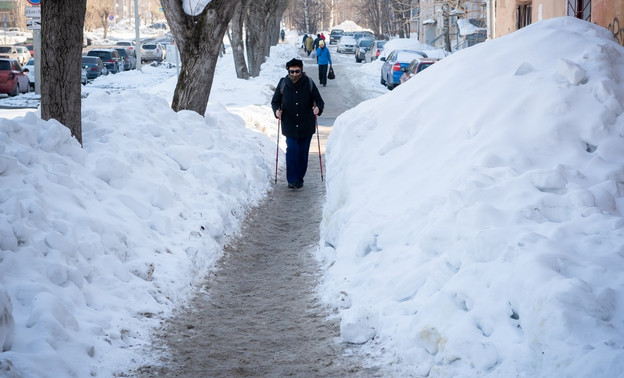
(346,44)
(24,54)
(30,65)
(152,52)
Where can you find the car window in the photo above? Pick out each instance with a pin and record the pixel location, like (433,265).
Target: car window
(150,47)
(5,65)
(407,56)
(366,42)
(100,54)
(423,66)
(5,49)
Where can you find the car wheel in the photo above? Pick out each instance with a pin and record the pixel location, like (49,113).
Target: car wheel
(382,81)
(16,91)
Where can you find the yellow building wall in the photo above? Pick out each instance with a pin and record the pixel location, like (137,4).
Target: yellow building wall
(610,14)
(606,13)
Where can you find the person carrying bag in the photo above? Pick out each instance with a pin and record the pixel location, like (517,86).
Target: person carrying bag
(323,59)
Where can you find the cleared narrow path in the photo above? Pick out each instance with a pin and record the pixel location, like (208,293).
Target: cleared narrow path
(258,314)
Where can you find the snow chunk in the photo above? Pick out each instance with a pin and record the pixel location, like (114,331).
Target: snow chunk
(358,326)
(573,73)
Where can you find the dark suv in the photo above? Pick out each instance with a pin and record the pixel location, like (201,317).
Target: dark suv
(361,48)
(335,35)
(128,58)
(110,57)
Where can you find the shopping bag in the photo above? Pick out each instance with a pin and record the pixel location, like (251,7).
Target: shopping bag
(330,74)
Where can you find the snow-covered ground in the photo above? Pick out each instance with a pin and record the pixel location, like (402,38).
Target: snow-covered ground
(473,222)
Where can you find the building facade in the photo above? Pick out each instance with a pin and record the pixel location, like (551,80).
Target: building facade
(511,15)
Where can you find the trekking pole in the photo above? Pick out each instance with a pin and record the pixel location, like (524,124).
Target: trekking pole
(277,150)
(318,139)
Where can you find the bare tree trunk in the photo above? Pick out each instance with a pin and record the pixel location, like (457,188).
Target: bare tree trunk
(199,39)
(262,20)
(105,25)
(306,10)
(61,63)
(238,48)
(446,28)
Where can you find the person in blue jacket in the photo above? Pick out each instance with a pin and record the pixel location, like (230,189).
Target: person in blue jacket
(323,58)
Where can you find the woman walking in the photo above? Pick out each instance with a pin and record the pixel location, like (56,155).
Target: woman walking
(323,58)
(296,102)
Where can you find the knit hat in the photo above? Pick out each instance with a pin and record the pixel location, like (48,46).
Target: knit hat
(321,43)
(294,62)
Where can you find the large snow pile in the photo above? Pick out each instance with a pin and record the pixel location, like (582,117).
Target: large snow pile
(98,244)
(473,223)
(349,26)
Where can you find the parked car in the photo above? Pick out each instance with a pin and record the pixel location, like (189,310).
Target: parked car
(83,76)
(13,79)
(130,45)
(110,58)
(363,34)
(374,51)
(335,35)
(24,54)
(415,67)
(152,52)
(128,58)
(10,52)
(361,48)
(31,49)
(346,44)
(159,25)
(394,66)
(94,66)
(30,66)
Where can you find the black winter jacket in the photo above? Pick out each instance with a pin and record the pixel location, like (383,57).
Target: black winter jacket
(296,103)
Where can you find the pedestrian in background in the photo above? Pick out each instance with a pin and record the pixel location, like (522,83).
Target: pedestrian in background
(323,58)
(303,43)
(316,41)
(282,34)
(297,102)
(309,45)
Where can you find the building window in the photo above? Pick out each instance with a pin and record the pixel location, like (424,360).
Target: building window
(524,15)
(580,9)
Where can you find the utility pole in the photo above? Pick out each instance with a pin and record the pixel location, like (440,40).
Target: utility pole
(137,47)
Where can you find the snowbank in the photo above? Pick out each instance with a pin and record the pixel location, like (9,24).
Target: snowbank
(473,223)
(98,244)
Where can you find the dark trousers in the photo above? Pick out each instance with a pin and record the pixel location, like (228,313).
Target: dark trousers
(322,73)
(297,150)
